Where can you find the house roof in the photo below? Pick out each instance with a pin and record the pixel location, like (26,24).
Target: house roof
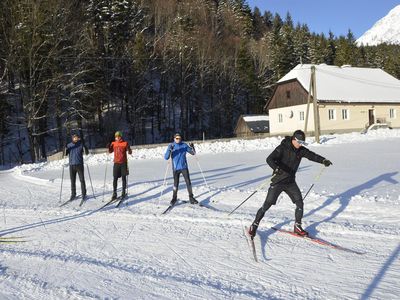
(348,84)
(253,118)
(257,123)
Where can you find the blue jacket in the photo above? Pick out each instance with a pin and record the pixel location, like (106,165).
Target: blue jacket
(75,152)
(178,155)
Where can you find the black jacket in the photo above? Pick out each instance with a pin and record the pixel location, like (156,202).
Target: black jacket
(287,158)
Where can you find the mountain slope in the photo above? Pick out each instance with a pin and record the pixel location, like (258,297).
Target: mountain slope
(386,30)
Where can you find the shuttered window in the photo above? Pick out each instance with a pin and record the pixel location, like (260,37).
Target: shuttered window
(392,113)
(332,114)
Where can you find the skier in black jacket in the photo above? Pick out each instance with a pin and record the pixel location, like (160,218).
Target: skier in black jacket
(285,161)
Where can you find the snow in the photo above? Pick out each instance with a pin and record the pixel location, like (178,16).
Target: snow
(255,118)
(386,30)
(197,253)
(348,84)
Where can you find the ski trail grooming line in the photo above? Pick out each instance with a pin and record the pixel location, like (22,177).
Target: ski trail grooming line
(181,256)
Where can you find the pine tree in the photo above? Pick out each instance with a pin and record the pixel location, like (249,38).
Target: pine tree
(347,51)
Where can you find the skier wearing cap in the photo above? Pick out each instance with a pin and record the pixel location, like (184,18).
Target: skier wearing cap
(120,169)
(75,150)
(177,151)
(285,161)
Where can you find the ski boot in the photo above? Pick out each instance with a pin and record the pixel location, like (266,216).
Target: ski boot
(253,230)
(114,196)
(173,201)
(299,230)
(73,196)
(192,200)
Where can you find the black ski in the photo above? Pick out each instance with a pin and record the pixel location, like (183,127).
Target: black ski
(109,202)
(168,209)
(250,241)
(67,202)
(83,201)
(121,199)
(178,202)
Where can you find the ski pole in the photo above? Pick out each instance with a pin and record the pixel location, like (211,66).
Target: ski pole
(258,188)
(315,180)
(165,176)
(127,184)
(127,178)
(105,177)
(201,170)
(164,183)
(90,178)
(62,179)
(202,174)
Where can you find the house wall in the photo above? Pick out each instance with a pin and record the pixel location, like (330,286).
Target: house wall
(242,129)
(281,98)
(290,119)
(358,117)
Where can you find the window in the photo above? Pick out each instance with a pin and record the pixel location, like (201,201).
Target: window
(392,113)
(280,117)
(332,114)
(288,94)
(302,116)
(345,114)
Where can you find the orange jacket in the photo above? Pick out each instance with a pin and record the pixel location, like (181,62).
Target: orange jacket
(120,148)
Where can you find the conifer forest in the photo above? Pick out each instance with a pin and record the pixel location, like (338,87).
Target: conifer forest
(149,68)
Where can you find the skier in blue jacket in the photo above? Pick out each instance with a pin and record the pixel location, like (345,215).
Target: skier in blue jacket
(75,151)
(177,151)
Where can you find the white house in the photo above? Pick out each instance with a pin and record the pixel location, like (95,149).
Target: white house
(348,99)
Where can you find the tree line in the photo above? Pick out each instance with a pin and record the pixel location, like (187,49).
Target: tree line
(149,68)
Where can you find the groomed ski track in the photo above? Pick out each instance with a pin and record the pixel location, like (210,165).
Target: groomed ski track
(133,252)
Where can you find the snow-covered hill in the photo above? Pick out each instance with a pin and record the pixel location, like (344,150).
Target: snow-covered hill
(386,30)
(193,252)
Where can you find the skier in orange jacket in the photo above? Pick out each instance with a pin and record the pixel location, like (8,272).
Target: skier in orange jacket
(119,147)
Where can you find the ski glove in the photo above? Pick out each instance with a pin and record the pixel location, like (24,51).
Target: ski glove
(191,145)
(276,172)
(326,162)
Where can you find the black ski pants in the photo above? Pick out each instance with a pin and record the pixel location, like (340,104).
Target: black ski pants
(185,173)
(73,169)
(274,191)
(120,170)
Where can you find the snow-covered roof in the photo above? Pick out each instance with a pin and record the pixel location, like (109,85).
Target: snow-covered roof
(256,118)
(256,123)
(348,84)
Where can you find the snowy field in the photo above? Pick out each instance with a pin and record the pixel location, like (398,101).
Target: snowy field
(134,252)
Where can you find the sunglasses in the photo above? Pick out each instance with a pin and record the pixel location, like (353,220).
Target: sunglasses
(178,138)
(300,141)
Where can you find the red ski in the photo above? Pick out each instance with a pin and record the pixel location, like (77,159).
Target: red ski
(317,240)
